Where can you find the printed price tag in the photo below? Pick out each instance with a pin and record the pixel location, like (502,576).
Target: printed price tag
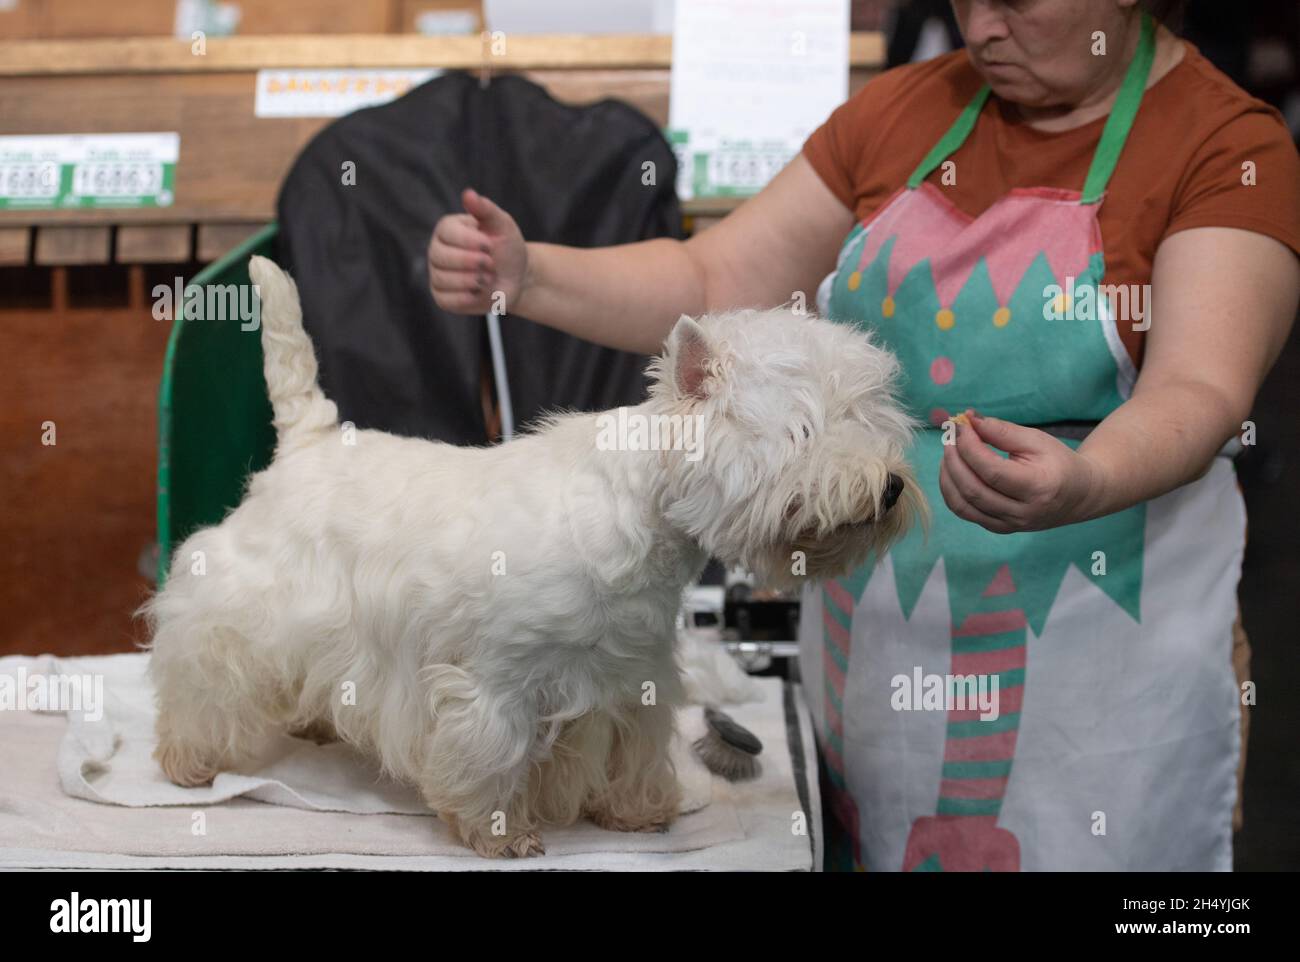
(737,168)
(88,170)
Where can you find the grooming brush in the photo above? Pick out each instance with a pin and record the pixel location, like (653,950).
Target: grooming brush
(727,748)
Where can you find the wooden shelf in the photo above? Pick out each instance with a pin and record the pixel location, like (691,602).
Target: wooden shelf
(232,162)
(153,55)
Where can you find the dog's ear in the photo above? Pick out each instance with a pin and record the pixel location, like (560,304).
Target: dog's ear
(691,353)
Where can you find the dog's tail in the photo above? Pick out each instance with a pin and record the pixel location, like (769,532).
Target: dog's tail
(289,361)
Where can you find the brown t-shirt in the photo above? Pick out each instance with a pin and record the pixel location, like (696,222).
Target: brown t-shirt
(1182,166)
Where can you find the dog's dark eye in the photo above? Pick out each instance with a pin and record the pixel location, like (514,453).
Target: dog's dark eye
(806,433)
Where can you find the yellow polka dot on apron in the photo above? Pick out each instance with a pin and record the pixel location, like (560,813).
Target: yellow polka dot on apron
(1002,317)
(945,319)
(887,307)
(854,280)
(1061,306)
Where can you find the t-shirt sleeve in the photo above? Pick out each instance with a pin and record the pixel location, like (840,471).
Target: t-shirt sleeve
(840,149)
(1246,175)
(912,104)
(831,151)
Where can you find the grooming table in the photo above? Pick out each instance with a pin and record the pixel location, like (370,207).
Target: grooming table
(80,791)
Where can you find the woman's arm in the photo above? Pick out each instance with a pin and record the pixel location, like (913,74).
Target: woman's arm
(1228,299)
(778,242)
(1224,302)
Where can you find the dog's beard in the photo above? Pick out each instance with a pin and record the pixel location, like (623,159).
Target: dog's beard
(785,537)
(819,556)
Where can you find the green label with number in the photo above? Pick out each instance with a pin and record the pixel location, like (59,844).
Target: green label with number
(718,167)
(88,170)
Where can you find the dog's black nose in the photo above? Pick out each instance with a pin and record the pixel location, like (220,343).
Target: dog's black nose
(892,490)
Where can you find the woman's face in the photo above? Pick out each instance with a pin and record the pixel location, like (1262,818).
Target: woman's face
(1041,53)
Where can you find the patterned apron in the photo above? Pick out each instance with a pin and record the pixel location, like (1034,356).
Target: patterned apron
(1115,742)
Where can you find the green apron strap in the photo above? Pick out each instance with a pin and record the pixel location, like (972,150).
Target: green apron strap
(1113,135)
(1121,115)
(953,139)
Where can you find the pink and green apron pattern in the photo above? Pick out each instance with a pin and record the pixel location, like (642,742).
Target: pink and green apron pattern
(960,301)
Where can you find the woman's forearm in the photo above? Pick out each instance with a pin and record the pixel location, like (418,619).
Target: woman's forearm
(773,247)
(1228,298)
(1158,440)
(626,297)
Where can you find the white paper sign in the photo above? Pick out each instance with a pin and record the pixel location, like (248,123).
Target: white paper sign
(331,93)
(751,80)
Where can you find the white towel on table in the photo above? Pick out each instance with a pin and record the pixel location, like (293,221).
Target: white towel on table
(317,793)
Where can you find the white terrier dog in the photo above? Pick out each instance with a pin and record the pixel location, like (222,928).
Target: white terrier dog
(504,616)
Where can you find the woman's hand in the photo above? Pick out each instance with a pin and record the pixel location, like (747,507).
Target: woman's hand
(477,260)
(1043,483)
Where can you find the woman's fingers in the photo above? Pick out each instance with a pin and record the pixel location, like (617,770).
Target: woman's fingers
(462,303)
(457,281)
(461,271)
(974,490)
(1011,437)
(489,216)
(1005,476)
(962,508)
(460,232)
(474,255)
(448,258)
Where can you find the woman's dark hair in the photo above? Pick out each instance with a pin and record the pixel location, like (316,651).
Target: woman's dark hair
(1168,12)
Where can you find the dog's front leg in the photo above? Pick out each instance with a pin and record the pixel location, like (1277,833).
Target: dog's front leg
(642,793)
(476,761)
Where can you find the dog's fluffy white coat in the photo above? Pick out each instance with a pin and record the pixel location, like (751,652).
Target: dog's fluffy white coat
(503,617)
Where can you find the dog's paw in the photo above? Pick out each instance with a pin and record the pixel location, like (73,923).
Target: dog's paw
(320,731)
(624,822)
(523,845)
(182,768)
(527,845)
(485,843)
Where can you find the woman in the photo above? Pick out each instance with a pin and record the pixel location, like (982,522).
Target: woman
(1007,210)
